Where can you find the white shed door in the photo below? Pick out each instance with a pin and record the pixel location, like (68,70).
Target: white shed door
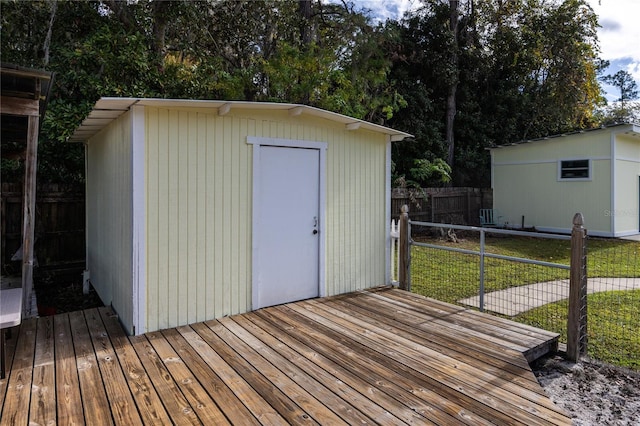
(288,234)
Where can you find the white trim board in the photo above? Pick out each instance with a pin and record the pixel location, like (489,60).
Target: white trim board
(387,213)
(139,214)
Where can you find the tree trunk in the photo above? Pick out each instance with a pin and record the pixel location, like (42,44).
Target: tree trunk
(306,33)
(160,11)
(47,40)
(306,37)
(453,83)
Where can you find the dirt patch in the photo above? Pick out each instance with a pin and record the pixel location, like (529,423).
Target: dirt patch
(590,393)
(56,295)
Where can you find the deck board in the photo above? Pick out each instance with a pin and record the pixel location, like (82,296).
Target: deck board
(425,367)
(381,356)
(146,398)
(69,410)
(495,363)
(43,402)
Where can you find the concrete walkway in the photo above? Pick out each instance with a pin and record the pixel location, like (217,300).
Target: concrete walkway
(516,300)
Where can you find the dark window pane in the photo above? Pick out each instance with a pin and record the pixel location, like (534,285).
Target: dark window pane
(574,169)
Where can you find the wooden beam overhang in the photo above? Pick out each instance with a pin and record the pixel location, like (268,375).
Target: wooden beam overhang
(24,93)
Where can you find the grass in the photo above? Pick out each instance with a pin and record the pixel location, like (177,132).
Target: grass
(613,331)
(613,317)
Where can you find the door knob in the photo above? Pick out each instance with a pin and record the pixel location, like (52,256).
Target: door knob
(315,231)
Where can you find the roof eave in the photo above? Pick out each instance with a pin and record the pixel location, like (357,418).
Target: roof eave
(631,128)
(108,109)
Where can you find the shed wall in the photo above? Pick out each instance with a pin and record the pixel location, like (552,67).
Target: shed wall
(109,216)
(198,201)
(525,183)
(627,189)
(593,144)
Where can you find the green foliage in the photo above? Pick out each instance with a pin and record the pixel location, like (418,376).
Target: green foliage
(625,83)
(236,50)
(523,69)
(623,110)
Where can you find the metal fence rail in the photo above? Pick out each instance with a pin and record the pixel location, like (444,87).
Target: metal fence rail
(518,296)
(527,277)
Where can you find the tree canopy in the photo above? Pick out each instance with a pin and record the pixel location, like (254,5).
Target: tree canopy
(511,70)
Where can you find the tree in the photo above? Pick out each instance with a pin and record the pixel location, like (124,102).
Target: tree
(523,69)
(453,81)
(624,82)
(322,54)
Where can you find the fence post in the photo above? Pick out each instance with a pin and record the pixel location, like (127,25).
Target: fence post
(404,262)
(577,318)
(481,292)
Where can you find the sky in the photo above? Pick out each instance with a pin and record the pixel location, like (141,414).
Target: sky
(618,35)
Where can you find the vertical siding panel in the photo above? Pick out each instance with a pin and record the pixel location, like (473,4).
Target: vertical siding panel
(365,213)
(201,219)
(376,208)
(152,209)
(124,277)
(219,224)
(341,220)
(349,216)
(181,146)
(228,212)
(329,233)
(342,189)
(333,207)
(378,228)
(172,298)
(370,212)
(211,216)
(191,209)
(252,130)
(162,319)
(362,215)
(234,214)
(243,259)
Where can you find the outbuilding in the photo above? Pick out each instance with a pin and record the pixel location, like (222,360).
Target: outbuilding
(542,183)
(201,209)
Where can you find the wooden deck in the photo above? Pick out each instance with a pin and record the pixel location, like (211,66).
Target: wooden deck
(376,357)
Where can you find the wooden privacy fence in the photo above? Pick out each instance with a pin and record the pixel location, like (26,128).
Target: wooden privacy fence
(458,205)
(59,226)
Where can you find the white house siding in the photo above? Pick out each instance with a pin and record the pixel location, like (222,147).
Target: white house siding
(198,186)
(525,183)
(627,191)
(109,216)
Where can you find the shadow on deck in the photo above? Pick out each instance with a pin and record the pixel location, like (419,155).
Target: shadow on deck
(382,356)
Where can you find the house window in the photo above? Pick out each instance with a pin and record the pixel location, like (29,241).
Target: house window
(575,169)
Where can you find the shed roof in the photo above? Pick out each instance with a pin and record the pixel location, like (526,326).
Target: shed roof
(628,128)
(108,109)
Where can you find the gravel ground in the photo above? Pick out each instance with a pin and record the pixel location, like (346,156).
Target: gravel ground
(590,393)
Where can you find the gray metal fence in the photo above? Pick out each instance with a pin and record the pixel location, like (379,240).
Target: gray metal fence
(526,276)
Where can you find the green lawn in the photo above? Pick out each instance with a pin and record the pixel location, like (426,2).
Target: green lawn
(614,317)
(613,330)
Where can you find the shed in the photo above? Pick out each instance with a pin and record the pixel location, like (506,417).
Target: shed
(542,183)
(201,209)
